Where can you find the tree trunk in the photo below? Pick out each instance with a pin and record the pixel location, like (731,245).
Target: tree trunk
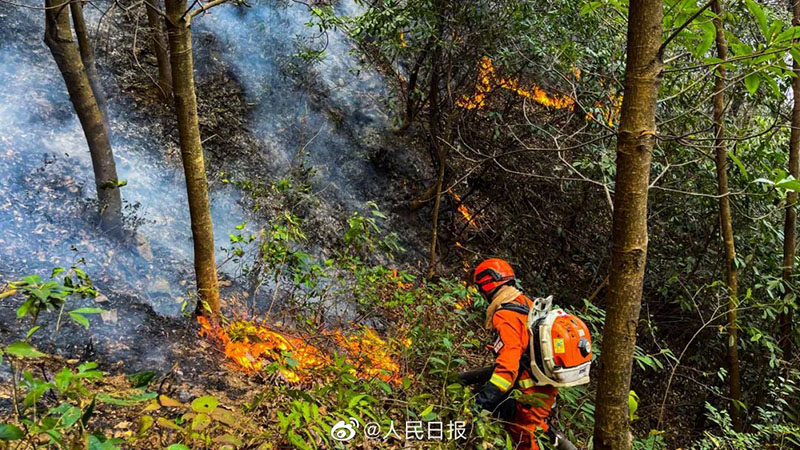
(58,37)
(790,224)
(87,57)
(725,223)
(435,219)
(438,150)
(156,23)
(411,88)
(635,141)
(180,46)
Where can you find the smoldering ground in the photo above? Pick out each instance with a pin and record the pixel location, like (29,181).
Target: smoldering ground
(294,112)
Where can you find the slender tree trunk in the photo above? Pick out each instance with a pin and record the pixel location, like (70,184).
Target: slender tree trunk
(180,46)
(58,37)
(438,150)
(155,21)
(87,57)
(725,222)
(635,140)
(435,219)
(411,88)
(790,224)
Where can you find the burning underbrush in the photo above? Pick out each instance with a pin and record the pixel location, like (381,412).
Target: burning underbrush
(469,217)
(489,80)
(297,385)
(350,339)
(254,347)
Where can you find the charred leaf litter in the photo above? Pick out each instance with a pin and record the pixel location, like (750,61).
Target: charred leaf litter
(260,110)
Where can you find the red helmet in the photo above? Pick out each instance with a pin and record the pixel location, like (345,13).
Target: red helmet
(491,274)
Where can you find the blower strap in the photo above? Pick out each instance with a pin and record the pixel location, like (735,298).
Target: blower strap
(525,360)
(516,307)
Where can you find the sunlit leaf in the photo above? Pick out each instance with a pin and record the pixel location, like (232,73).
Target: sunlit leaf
(200,422)
(24,350)
(89,310)
(32,330)
(792,185)
(80,319)
(205,404)
(177,446)
(788,34)
(751,82)
(71,416)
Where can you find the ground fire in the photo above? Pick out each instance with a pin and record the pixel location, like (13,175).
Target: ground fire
(252,348)
(369,353)
(608,111)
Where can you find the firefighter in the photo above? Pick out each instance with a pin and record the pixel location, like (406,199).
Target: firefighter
(507,315)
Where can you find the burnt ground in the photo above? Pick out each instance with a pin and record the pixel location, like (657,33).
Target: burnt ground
(233,149)
(133,336)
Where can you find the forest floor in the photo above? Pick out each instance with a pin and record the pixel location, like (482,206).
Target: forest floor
(132,336)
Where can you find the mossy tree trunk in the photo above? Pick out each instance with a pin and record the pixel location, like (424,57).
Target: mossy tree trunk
(180,49)
(635,140)
(59,39)
(155,21)
(725,221)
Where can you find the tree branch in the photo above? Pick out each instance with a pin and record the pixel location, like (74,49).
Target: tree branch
(203,8)
(675,33)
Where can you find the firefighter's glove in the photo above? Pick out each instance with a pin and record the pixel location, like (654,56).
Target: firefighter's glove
(506,409)
(500,404)
(489,397)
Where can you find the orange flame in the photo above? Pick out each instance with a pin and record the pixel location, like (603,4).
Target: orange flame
(251,348)
(576,72)
(608,112)
(369,353)
(465,212)
(404,286)
(488,80)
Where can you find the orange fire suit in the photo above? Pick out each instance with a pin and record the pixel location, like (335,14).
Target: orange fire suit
(523,420)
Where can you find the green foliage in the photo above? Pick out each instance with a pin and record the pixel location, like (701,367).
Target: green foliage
(10,432)
(65,424)
(55,411)
(204,424)
(364,234)
(769,432)
(633,405)
(53,294)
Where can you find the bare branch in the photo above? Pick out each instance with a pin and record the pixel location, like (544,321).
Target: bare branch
(190,14)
